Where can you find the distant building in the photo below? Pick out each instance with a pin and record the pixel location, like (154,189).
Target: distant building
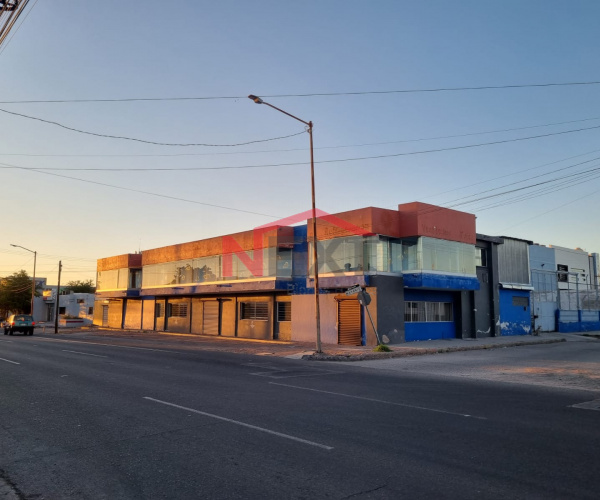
(566,294)
(70,305)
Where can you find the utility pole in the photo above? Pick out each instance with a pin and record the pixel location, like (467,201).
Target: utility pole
(10,10)
(57,297)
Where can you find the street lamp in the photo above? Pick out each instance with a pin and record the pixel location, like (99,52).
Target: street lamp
(33,281)
(258,100)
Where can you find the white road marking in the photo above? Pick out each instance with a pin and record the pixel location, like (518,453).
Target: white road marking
(85,353)
(279,373)
(9,361)
(588,405)
(2,340)
(107,345)
(243,424)
(415,407)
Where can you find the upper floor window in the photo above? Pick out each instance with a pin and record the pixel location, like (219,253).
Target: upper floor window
(480,257)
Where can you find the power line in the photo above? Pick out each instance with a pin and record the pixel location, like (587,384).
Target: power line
(553,209)
(107,136)
(526,179)
(513,173)
(313,94)
(153,194)
(339,160)
(299,149)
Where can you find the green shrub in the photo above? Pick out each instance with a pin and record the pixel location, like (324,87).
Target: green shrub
(382,348)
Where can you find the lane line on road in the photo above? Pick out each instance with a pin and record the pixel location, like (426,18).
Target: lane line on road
(9,361)
(588,405)
(85,353)
(108,345)
(243,424)
(415,407)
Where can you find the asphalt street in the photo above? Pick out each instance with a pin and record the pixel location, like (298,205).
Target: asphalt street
(101,419)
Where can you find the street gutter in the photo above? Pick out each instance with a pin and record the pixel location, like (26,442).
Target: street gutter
(401,352)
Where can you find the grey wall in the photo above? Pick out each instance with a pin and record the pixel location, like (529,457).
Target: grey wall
(513,262)
(486,300)
(389,313)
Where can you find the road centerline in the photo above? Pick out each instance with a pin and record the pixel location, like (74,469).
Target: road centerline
(9,361)
(243,424)
(85,353)
(108,345)
(415,407)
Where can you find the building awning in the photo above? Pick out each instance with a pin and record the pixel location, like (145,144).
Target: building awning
(516,286)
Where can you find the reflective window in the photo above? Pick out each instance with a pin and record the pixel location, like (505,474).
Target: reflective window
(427,311)
(115,279)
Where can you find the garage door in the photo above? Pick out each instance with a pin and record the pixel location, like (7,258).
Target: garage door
(210,325)
(349,322)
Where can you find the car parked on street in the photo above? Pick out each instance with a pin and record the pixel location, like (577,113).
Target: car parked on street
(19,323)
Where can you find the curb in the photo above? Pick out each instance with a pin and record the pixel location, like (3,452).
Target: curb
(419,352)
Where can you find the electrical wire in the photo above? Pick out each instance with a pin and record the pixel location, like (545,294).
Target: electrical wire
(525,180)
(108,136)
(339,160)
(154,194)
(509,175)
(552,209)
(313,94)
(300,149)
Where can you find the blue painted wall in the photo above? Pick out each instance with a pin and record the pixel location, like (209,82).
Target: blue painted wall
(441,281)
(514,320)
(578,321)
(434,330)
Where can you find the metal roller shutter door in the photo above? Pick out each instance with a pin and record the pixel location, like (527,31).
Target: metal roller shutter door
(349,323)
(211,318)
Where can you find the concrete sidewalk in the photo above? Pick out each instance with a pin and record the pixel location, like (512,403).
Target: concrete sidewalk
(306,350)
(344,353)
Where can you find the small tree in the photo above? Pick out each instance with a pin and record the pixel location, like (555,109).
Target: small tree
(15,293)
(81,286)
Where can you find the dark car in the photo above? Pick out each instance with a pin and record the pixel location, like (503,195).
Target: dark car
(19,323)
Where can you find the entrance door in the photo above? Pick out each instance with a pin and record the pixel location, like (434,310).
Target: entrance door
(104,315)
(484,321)
(210,321)
(349,322)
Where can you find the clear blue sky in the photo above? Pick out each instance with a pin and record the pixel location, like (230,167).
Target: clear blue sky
(113,49)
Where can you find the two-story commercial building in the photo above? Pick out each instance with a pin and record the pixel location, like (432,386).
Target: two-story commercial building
(417,262)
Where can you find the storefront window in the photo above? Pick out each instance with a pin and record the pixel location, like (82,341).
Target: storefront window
(115,279)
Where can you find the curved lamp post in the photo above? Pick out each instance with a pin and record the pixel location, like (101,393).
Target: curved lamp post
(33,281)
(258,100)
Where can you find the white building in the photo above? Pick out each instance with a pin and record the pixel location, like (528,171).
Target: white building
(71,306)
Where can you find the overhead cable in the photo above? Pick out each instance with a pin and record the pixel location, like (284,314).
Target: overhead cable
(107,136)
(423,139)
(312,94)
(339,160)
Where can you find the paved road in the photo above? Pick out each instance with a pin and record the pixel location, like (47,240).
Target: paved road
(94,420)
(574,364)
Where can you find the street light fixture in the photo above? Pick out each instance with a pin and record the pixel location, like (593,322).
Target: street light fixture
(258,100)
(33,281)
